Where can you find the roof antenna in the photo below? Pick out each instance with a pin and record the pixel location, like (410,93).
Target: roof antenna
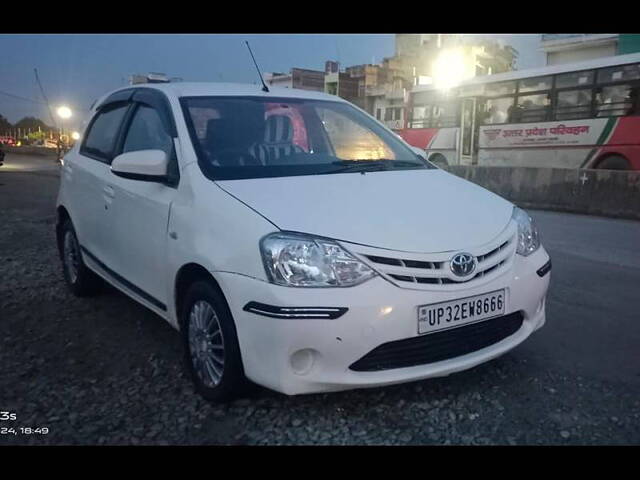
(264,85)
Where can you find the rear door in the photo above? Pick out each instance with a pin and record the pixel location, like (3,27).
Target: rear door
(86,174)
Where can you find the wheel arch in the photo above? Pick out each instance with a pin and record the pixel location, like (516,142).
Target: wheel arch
(608,154)
(186,275)
(62,215)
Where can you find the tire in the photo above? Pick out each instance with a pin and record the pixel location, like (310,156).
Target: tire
(79,278)
(210,342)
(614,162)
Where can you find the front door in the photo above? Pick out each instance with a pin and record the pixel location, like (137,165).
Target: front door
(140,213)
(468,132)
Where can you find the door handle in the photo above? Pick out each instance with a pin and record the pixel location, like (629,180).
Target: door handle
(109,192)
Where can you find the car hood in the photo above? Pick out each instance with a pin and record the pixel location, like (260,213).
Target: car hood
(409,210)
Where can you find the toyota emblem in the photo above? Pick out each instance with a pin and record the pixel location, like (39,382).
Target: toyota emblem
(463,264)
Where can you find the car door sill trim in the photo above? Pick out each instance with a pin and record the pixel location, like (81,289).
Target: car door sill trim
(124,282)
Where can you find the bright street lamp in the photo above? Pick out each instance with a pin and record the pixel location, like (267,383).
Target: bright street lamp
(75,135)
(64,112)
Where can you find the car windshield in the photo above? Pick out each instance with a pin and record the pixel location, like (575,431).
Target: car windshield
(255,137)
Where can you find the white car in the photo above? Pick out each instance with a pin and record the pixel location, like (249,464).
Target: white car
(293,240)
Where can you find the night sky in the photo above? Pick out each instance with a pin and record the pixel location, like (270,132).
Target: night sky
(76,69)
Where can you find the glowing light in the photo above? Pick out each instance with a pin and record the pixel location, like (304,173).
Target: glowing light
(64,112)
(386,310)
(75,135)
(449,69)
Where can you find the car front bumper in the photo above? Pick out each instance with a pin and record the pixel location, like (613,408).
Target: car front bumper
(296,356)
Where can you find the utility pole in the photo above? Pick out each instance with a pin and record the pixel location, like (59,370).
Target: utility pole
(55,124)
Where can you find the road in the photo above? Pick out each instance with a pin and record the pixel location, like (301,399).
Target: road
(107,371)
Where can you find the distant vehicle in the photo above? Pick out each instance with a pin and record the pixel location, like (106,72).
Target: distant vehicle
(293,240)
(579,115)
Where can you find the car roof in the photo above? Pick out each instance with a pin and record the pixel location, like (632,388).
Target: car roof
(202,89)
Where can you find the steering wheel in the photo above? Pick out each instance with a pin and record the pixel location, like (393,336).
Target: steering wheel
(233,158)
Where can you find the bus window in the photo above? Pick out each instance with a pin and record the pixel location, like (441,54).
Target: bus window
(445,115)
(531,108)
(619,73)
(421,117)
(574,79)
(616,100)
(500,88)
(497,110)
(534,84)
(573,104)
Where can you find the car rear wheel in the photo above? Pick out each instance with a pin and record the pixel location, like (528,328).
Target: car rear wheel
(212,353)
(81,281)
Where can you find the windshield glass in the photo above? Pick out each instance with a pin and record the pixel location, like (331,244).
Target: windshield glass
(254,137)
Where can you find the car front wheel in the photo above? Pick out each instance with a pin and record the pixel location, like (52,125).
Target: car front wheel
(212,353)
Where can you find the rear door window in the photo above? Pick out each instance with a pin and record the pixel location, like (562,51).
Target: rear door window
(100,139)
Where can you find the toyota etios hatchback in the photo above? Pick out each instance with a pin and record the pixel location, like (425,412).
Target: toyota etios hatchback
(293,240)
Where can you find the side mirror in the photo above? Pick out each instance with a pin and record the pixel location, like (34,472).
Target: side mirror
(145,165)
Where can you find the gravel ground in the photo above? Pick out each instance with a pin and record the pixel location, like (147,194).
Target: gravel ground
(107,371)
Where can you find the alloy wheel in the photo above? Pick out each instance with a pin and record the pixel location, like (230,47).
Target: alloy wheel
(206,343)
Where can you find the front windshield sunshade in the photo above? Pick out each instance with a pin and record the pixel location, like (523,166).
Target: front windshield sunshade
(254,137)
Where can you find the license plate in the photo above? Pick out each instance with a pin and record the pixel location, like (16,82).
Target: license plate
(445,315)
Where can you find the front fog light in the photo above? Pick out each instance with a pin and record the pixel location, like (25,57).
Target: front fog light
(297,260)
(528,235)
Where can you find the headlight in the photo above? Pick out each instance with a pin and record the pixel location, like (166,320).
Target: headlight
(528,236)
(297,260)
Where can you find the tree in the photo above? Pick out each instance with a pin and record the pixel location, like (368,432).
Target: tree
(5,125)
(32,123)
(37,136)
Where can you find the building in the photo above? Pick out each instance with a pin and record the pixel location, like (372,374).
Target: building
(563,48)
(382,89)
(431,59)
(481,55)
(340,83)
(277,79)
(368,76)
(301,78)
(576,47)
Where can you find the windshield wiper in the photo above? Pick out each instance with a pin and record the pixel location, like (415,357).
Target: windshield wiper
(363,165)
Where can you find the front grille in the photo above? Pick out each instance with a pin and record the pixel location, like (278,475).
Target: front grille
(435,347)
(432,270)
